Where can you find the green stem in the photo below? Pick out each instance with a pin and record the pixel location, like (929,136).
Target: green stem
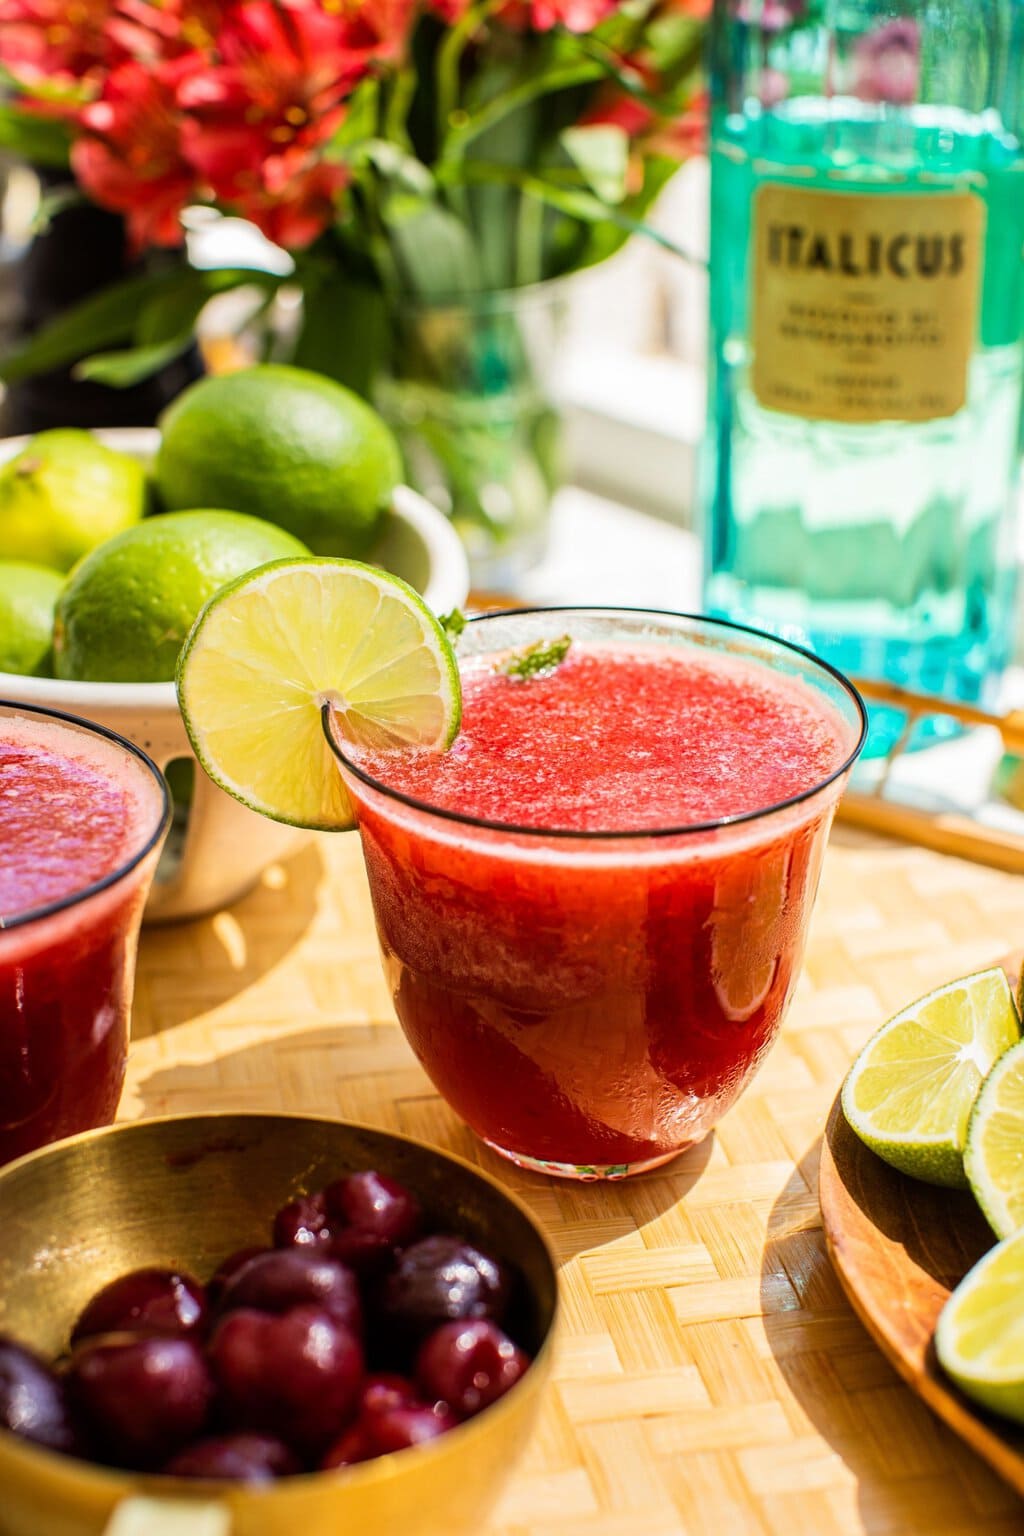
(580,205)
(529,241)
(541,85)
(396,114)
(449,61)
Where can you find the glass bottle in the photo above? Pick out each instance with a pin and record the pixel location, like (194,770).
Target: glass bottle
(867,330)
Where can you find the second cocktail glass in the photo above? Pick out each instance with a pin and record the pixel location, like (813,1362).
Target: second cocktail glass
(96,814)
(591,1001)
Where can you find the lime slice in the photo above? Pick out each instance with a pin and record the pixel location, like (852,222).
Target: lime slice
(980,1335)
(273,647)
(908,1095)
(994,1155)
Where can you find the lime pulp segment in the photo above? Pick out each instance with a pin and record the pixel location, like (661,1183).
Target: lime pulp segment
(994,1156)
(273,647)
(980,1335)
(910,1092)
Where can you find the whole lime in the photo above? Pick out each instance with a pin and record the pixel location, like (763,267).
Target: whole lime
(127,607)
(28,597)
(63,494)
(284,444)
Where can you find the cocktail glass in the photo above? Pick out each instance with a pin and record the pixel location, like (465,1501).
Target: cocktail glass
(67,968)
(591,1003)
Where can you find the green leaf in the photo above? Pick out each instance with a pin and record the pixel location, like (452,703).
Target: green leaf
(359,122)
(395,165)
(53,202)
(344,330)
(123,368)
(433,249)
(453,623)
(154,308)
(602,154)
(102,320)
(42,140)
(538,659)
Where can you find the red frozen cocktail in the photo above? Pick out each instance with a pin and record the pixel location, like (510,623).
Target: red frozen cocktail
(592,909)
(82,818)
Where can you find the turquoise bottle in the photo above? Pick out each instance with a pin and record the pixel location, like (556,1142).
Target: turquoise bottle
(861,474)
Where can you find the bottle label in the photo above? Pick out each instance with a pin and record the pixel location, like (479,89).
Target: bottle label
(864,307)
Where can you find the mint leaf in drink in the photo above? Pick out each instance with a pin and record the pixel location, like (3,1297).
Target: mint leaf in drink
(536,660)
(453,623)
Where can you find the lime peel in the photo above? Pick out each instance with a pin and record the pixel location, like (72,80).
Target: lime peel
(301,648)
(979,1339)
(909,1094)
(994,1155)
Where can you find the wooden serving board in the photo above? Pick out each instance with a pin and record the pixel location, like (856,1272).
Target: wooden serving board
(899,1248)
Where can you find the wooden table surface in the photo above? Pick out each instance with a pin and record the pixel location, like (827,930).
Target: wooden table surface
(710,1377)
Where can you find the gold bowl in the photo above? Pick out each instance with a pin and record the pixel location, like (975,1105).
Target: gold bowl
(187,1191)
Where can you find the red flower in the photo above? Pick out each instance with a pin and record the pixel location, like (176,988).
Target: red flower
(65,42)
(256,120)
(574,15)
(129,157)
(278,92)
(543,15)
(295,213)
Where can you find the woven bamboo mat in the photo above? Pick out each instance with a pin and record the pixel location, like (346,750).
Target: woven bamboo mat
(710,1377)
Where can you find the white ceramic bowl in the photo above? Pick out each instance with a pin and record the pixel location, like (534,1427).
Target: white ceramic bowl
(218,850)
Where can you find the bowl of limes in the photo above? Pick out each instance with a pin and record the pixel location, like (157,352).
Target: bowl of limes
(111,543)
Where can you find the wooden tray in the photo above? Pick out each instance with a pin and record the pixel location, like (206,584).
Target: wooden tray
(899,1247)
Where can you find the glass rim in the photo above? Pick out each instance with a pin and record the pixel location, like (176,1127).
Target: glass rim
(96,887)
(619,834)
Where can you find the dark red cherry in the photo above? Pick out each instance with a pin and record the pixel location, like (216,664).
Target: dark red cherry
(302,1223)
(239,1458)
(297,1375)
(386,1390)
(352,1446)
(284,1278)
(228,1269)
(367,1253)
(33,1402)
(438,1280)
(143,1399)
(145,1301)
(400,1428)
(469,1365)
(375,1203)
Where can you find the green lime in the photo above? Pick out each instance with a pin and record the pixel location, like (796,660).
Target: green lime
(273,648)
(283,444)
(909,1094)
(127,607)
(28,596)
(980,1335)
(63,494)
(994,1155)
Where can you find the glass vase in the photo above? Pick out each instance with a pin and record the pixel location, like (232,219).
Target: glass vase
(469,387)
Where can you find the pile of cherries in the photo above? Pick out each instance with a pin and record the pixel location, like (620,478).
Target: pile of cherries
(357,1334)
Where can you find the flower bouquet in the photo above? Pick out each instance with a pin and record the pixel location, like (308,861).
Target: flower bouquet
(424,163)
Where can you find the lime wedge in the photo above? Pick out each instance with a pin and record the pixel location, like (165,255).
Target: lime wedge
(909,1093)
(994,1155)
(980,1335)
(271,648)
